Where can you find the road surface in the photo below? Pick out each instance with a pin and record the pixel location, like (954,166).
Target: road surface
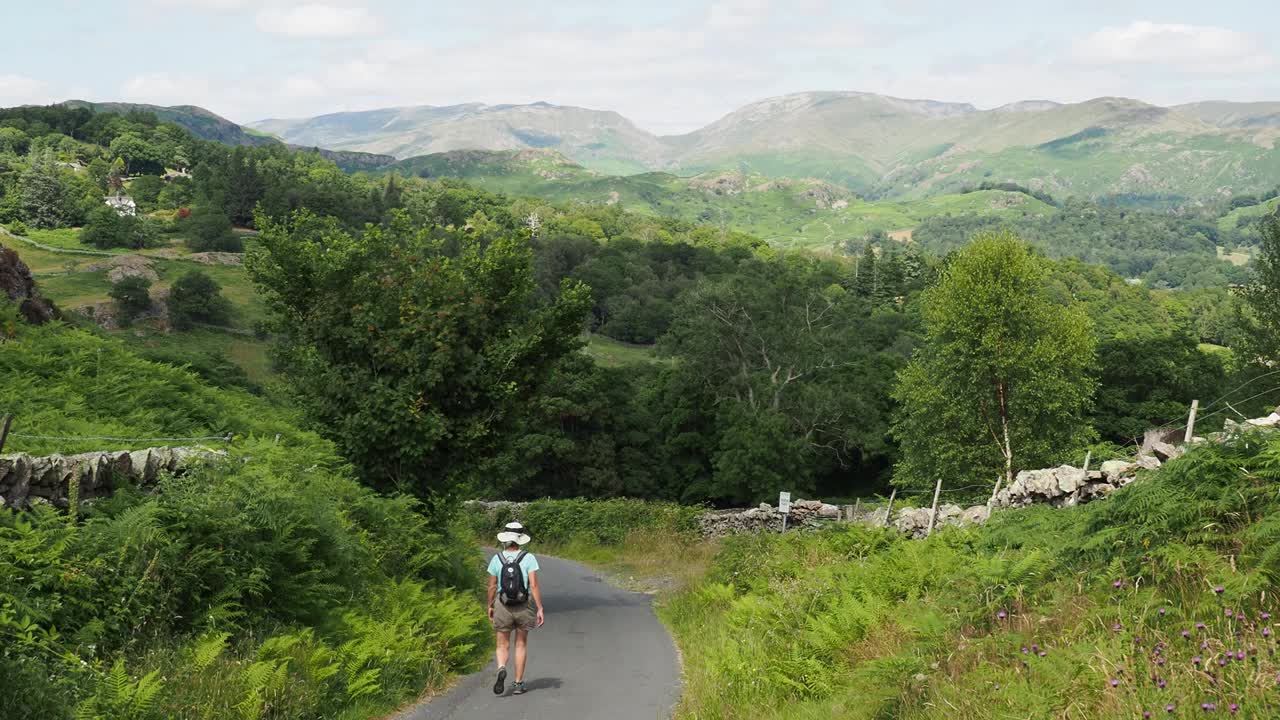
(602,655)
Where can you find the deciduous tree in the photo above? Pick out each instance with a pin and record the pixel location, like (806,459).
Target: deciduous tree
(414,349)
(1002,381)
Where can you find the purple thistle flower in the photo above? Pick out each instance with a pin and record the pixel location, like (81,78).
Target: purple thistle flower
(1266,632)
(1160,661)
(1169,708)
(1117,627)
(1239,654)
(1162,612)
(1230,612)
(1146,713)
(1199,626)
(1043,653)
(1186,633)
(1161,683)
(1234,708)
(1240,616)
(1222,662)
(1117,584)
(1219,589)
(1195,660)
(1002,614)
(1115,682)
(1266,616)
(1025,650)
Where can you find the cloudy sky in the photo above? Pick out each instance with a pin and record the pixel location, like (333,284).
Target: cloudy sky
(669,66)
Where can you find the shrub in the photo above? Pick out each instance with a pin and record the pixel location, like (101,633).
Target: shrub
(132,297)
(17,227)
(605,522)
(197,298)
(106,229)
(210,230)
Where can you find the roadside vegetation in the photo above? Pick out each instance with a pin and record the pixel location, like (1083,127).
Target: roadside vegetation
(1156,601)
(268,584)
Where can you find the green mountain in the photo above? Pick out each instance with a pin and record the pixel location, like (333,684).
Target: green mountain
(200,122)
(786,212)
(350,160)
(605,140)
(871,144)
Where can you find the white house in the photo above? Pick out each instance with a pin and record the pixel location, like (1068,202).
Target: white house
(122,204)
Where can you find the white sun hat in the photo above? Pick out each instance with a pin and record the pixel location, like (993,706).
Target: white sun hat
(514,533)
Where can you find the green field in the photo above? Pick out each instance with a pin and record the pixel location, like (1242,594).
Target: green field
(1232,219)
(613,353)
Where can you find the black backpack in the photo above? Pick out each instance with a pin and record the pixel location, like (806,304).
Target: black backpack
(511,582)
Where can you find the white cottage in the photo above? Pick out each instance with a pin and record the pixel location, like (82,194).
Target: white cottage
(122,204)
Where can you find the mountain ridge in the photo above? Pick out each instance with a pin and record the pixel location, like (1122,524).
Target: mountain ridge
(875,145)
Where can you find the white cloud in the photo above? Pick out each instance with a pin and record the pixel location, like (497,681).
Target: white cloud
(21,90)
(316,20)
(1196,48)
(162,88)
(204,4)
(738,14)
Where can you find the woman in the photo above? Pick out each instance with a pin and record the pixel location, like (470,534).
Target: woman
(515,602)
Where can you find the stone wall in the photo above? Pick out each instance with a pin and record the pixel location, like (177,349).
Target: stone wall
(27,480)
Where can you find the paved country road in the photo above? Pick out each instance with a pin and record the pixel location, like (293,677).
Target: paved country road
(602,655)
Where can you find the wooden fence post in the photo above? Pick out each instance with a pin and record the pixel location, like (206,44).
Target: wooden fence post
(1088,457)
(4,430)
(933,514)
(1191,423)
(888,513)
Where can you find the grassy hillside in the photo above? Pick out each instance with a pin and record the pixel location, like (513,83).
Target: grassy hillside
(200,122)
(805,213)
(1155,601)
(268,584)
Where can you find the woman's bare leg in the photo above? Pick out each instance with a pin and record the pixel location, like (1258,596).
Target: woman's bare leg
(522,651)
(504,650)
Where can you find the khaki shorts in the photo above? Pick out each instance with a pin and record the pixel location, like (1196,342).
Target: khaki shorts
(514,617)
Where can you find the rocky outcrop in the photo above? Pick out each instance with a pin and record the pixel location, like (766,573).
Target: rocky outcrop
(27,480)
(126,266)
(17,285)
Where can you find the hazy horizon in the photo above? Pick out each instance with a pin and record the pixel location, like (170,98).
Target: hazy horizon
(669,67)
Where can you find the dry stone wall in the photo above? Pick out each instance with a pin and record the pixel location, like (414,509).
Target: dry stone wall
(27,480)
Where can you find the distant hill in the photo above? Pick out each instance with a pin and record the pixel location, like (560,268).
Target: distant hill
(200,122)
(350,160)
(871,144)
(604,140)
(1234,115)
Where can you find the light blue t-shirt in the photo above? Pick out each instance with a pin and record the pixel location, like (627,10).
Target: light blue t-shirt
(528,565)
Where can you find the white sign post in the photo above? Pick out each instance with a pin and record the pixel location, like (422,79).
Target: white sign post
(784,507)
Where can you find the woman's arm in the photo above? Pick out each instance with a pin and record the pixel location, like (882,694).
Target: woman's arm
(493,591)
(536,591)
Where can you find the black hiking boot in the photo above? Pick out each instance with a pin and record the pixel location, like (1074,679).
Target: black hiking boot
(501,683)
(518,688)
